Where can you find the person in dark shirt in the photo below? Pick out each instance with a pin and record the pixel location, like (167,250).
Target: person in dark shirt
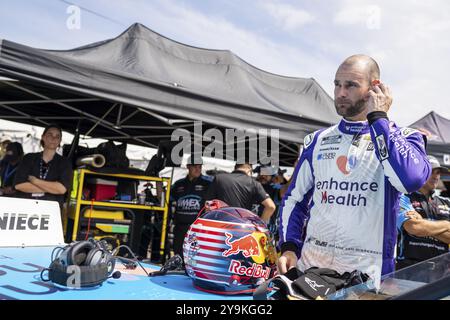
(268,177)
(239,189)
(423,222)
(3,146)
(8,168)
(45,175)
(188,194)
(446,192)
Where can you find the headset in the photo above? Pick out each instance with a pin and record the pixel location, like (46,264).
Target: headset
(81,264)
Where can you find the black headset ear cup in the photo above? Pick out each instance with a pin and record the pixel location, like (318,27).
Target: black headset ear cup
(94,257)
(64,255)
(110,263)
(79,252)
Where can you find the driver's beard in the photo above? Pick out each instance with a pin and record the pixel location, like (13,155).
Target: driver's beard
(353,110)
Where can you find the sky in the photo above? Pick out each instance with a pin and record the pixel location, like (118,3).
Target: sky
(303,38)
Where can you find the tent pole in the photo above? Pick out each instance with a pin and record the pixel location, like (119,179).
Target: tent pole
(103,122)
(47,101)
(101,119)
(23,114)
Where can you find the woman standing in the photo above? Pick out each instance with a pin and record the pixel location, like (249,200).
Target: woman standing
(45,175)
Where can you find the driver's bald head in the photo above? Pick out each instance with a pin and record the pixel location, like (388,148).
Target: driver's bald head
(364,64)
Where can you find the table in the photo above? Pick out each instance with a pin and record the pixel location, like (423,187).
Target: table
(20,279)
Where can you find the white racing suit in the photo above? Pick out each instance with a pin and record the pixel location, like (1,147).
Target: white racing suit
(341,207)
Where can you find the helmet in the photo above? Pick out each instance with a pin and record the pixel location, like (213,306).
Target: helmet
(229,250)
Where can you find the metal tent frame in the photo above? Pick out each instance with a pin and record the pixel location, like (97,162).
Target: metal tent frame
(37,105)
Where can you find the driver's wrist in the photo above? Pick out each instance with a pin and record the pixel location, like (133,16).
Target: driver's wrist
(289,247)
(376,115)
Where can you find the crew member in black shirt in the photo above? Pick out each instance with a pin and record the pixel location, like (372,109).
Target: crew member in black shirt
(423,222)
(8,168)
(267,176)
(45,175)
(239,189)
(189,197)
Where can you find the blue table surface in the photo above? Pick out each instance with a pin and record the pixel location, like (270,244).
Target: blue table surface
(20,270)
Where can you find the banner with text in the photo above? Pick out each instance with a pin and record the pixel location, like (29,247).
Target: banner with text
(25,222)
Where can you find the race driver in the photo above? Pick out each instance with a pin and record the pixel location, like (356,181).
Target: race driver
(341,206)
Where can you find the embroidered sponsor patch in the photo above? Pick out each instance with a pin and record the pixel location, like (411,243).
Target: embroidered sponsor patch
(308,139)
(356,140)
(326,156)
(444,209)
(408,131)
(331,140)
(329,149)
(382,147)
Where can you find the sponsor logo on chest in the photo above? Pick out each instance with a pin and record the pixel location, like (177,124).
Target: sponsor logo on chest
(329,149)
(326,156)
(199,187)
(444,209)
(346,193)
(331,140)
(188,204)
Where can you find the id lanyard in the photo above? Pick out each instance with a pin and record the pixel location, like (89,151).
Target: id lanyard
(43,172)
(8,172)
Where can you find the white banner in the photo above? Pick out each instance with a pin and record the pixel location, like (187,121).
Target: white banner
(25,222)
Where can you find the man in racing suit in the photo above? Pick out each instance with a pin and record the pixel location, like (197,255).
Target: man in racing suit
(189,197)
(341,206)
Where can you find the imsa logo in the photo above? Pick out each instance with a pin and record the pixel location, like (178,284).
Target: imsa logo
(382,147)
(308,140)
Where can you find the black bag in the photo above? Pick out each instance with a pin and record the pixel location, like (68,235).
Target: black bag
(115,155)
(80,151)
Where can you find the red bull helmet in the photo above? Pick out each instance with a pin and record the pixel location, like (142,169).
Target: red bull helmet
(229,250)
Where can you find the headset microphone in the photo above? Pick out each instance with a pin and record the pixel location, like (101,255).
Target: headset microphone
(115,275)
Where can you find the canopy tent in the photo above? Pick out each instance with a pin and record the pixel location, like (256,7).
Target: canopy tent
(140,86)
(438,135)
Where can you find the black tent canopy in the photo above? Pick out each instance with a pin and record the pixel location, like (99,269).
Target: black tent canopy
(438,135)
(140,86)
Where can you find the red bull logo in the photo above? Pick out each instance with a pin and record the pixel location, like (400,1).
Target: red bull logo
(255,271)
(248,245)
